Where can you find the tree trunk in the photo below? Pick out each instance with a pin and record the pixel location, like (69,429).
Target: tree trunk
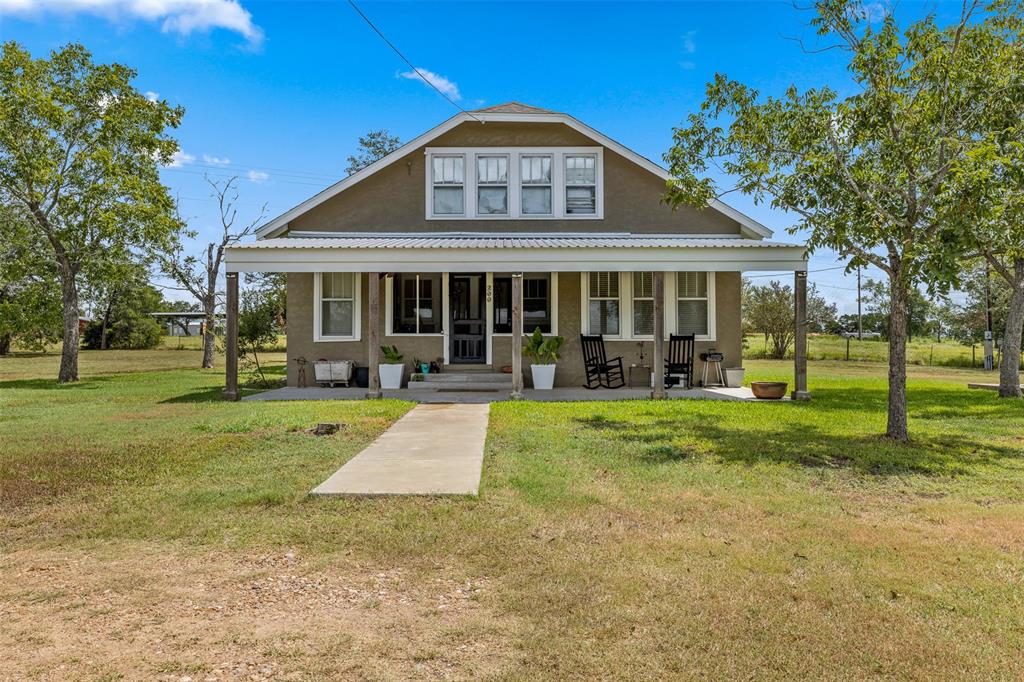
(69,353)
(106,323)
(896,428)
(5,344)
(1009,359)
(210,337)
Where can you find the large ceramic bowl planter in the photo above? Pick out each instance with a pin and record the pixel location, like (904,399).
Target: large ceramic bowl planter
(768,390)
(543,376)
(391,375)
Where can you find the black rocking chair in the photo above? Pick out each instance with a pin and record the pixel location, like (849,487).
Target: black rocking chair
(600,370)
(679,363)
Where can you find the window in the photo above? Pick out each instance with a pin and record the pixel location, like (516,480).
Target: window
(416,304)
(692,303)
(643,304)
(536,304)
(338,311)
(580,184)
(492,185)
(535,175)
(603,303)
(449,185)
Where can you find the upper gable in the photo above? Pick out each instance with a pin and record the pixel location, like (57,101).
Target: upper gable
(394,198)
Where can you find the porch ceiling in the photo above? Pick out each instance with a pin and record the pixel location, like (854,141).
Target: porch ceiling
(431,253)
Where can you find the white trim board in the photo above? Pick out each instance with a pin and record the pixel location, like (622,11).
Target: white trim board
(749,227)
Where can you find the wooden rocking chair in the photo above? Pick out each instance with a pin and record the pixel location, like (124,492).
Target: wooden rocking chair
(679,362)
(601,371)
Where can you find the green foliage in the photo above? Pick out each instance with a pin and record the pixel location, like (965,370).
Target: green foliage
(257,330)
(373,146)
(125,311)
(770,309)
(542,351)
(391,354)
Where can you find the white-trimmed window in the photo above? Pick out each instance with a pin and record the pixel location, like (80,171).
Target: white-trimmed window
(603,303)
(449,184)
(492,185)
(535,176)
(336,315)
(643,304)
(416,304)
(693,304)
(580,184)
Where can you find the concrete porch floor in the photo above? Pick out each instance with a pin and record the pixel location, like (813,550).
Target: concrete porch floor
(453,395)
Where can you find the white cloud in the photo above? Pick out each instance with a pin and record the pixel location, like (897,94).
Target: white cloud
(689,45)
(429,78)
(175,16)
(257,176)
(215,160)
(180,158)
(688,65)
(150,95)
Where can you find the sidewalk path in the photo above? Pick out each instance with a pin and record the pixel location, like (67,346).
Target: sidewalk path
(432,450)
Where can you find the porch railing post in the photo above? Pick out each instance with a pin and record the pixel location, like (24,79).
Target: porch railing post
(373,335)
(800,391)
(658,370)
(231,357)
(517,336)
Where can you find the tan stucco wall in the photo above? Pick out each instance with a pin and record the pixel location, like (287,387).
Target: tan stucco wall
(394,199)
(570,367)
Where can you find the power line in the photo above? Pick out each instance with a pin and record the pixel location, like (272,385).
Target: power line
(406,60)
(782,274)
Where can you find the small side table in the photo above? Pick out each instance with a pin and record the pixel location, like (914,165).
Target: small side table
(639,374)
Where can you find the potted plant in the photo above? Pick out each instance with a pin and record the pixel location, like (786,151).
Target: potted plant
(392,368)
(420,366)
(543,352)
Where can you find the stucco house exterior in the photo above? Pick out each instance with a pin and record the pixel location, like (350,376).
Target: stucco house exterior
(504,216)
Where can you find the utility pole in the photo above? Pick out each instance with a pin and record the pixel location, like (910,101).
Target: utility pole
(860,324)
(989,359)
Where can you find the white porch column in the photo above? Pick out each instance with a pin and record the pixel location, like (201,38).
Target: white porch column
(659,336)
(800,391)
(231,357)
(517,335)
(373,334)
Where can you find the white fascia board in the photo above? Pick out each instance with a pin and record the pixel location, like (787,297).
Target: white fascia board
(731,259)
(750,227)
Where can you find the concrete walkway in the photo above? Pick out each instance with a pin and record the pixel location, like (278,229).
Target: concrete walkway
(432,450)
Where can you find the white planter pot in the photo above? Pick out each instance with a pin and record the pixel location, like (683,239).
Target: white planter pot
(391,376)
(543,377)
(734,377)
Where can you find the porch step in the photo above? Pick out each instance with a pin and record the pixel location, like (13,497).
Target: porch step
(462,377)
(450,386)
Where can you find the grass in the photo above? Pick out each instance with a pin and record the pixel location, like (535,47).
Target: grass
(149,529)
(921,351)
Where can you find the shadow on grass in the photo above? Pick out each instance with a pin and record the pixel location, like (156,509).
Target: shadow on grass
(668,440)
(53,384)
(203,395)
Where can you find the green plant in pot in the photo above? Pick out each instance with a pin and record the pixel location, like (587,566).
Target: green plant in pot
(392,368)
(420,366)
(543,352)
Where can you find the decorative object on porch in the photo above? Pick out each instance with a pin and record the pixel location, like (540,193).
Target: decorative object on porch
(435,366)
(543,352)
(640,376)
(768,390)
(601,371)
(331,372)
(734,377)
(506,369)
(392,368)
(420,367)
(301,362)
(712,361)
(679,362)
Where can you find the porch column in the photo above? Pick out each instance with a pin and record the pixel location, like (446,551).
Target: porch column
(517,336)
(800,391)
(231,357)
(373,334)
(658,369)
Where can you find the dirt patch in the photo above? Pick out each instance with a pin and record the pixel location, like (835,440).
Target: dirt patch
(153,614)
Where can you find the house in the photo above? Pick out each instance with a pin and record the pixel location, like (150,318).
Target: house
(429,247)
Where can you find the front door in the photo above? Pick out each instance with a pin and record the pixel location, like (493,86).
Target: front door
(468,319)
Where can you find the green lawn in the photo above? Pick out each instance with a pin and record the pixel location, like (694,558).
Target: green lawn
(920,351)
(150,530)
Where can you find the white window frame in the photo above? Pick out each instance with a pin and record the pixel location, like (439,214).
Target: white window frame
(566,185)
(550,185)
(671,294)
(553,293)
(625,329)
(515,205)
(357,312)
(389,302)
(507,185)
(633,298)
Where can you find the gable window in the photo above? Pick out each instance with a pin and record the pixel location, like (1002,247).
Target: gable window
(603,303)
(643,304)
(536,303)
(416,304)
(535,175)
(337,308)
(692,303)
(580,184)
(449,181)
(492,185)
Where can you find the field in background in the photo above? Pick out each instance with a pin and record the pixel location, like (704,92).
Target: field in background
(920,351)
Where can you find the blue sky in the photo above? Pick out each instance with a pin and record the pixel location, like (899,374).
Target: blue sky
(277,93)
